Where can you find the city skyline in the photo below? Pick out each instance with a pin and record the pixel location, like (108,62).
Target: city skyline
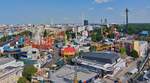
(73,11)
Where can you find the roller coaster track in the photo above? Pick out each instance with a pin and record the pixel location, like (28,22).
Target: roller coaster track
(145,60)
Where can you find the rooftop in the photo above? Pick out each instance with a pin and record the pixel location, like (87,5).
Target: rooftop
(6,60)
(144,32)
(66,74)
(9,70)
(101,57)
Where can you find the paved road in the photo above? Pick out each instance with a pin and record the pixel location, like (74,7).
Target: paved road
(121,74)
(56,54)
(125,70)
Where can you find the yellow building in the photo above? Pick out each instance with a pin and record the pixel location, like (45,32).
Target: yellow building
(136,46)
(141,47)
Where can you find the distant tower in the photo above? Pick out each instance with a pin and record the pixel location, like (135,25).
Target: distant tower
(127,11)
(86,22)
(105,21)
(101,21)
(82,17)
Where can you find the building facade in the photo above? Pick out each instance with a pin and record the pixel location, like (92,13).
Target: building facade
(141,47)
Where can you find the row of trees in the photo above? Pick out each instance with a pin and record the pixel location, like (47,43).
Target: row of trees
(97,34)
(103,32)
(134,28)
(25,33)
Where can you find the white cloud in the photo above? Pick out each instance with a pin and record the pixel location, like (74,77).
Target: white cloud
(110,8)
(92,8)
(102,1)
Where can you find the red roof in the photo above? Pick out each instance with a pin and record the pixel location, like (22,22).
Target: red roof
(68,51)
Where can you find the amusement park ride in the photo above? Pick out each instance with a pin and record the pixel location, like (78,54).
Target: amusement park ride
(44,44)
(14,45)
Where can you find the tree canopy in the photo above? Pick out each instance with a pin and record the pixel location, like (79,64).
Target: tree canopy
(25,33)
(134,54)
(45,33)
(134,28)
(70,34)
(22,80)
(123,51)
(96,35)
(29,71)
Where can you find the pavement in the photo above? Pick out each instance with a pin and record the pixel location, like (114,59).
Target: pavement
(56,54)
(121,74)
(55,58)
(126,69)
(67,73)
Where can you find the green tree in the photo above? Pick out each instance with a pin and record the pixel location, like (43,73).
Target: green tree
(3,55)
(29,71)
(5,38)
(25,33)
(96,35)
(135,28)
(22,80)
(111,35)
(134,54)
(69,34)
(93,36)
(123,51)
(45,33)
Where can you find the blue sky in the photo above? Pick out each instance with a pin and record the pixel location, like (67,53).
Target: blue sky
(72,11)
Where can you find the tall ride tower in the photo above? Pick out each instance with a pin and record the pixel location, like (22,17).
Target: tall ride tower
(127,11)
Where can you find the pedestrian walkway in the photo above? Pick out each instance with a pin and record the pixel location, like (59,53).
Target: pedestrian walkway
(121,73)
